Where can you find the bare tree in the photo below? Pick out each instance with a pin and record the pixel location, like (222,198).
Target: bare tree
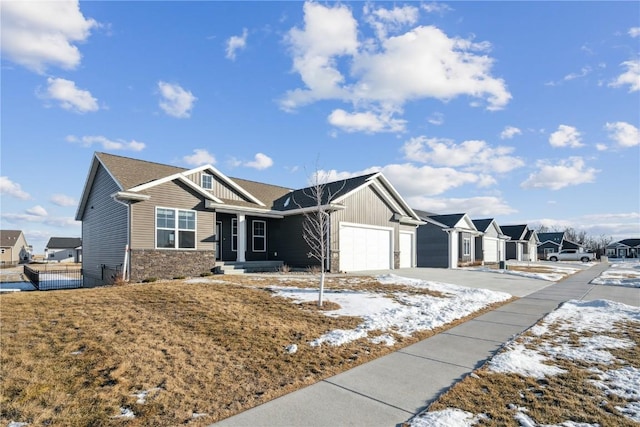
(315,227)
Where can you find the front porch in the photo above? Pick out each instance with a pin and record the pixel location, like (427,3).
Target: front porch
(237,267)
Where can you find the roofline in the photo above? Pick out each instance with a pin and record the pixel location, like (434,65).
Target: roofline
(93,170)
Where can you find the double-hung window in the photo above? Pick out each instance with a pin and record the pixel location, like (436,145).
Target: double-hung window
(207,181)
(175,228)
(466,246)
(234,234)
(259,236)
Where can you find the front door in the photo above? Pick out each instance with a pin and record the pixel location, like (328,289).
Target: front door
(218,240)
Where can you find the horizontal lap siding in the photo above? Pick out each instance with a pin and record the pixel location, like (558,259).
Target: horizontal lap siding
(104,228)
(220,189)
(170,195)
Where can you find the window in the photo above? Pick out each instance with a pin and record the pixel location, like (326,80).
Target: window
(207,181)
(234,234)
(466,246)
(175,222)
(1,251)
(259,236)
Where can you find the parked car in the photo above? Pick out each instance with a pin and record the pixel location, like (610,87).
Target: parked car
(571,255)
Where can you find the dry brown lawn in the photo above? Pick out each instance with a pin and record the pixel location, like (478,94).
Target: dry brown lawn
(172,352)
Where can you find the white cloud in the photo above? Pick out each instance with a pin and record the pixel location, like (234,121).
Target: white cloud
(367,122)
(473,155)
(261,161)
(634,31)
(176,101)
(618,226)
(565,173)
(435,7)
(436,119)
(601,147)
(28,217)
(624,134)
(39,34)
(475,206)
(388,71)
(69,96)
(509,132)
(631,77)
(565,136)
(199,157)
(106,143)
(584,71)
(37,211)
(13,189)
(235,43)
(62,200)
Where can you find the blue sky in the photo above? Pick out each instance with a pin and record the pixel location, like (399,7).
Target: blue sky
(527,112)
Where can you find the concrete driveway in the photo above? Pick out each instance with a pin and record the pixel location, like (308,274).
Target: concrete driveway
(518,286)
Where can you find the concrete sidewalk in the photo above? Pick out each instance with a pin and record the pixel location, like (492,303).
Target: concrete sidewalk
(390,390)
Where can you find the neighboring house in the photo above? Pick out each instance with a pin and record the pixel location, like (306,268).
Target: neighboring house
(446,241)
(178,222)
(490,246)
(554,242)
(523,242)
(627,248)
(14,248)
(63,249)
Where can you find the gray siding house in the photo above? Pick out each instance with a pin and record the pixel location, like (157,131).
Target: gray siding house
(626,248)
(142,220)
(554,242)
(446,241)
(490,246)
(63,249)
(523,242)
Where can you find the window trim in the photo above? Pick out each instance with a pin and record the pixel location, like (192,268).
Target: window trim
(202,177)
(234,234)
(176,228)
(466,246)
(254,235)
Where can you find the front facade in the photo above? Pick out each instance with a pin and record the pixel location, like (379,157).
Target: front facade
(446,241)
(63,249)
(14,248)
(522,244)
(627,248)
(490,246)
(143,220)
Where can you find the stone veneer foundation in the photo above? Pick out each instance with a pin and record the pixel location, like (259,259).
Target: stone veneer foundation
(169,264)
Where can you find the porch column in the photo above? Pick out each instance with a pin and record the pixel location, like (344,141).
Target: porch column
(453,249)
(242,238)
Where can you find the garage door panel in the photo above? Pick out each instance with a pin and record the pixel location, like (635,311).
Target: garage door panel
(490,250)
(364,248)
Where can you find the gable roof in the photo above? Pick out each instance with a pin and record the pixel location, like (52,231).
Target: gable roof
(632,243)
(482,224)
(9,238)
(555,237)
(516,232)
(64,243)
(449,220)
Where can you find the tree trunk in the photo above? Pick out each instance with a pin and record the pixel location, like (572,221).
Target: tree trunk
(321,294)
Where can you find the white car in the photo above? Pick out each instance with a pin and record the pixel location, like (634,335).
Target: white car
(571,255)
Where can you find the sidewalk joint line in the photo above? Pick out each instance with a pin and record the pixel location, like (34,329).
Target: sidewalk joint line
(368,397)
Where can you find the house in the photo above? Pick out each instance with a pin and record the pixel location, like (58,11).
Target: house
(554,242)
(14,248)
(445,241)
(523,242)
(627,248)
(153,220)
(490,246)
(63,249)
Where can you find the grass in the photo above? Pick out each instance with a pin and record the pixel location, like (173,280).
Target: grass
(200,352)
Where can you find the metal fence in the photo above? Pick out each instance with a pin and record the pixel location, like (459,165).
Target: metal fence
(59,278)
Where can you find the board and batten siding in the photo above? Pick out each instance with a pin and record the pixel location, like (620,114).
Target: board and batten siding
(104,228)
(220,189)
(175,195)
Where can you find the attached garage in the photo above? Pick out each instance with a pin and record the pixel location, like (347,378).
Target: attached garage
(364,247)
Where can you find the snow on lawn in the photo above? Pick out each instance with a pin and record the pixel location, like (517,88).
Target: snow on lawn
(533,355)
(554,271)
(625,273)
(395,312)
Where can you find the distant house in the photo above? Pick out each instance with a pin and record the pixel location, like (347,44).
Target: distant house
(523,242)
(554,242)
(446,241)
(490,246)
(64,249)
(180,222)
(14,248)
(627,248)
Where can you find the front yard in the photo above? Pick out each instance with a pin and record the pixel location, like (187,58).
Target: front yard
(197,351)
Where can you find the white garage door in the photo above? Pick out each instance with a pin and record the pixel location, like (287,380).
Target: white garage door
(364,248)
(406,250)
(490,250)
